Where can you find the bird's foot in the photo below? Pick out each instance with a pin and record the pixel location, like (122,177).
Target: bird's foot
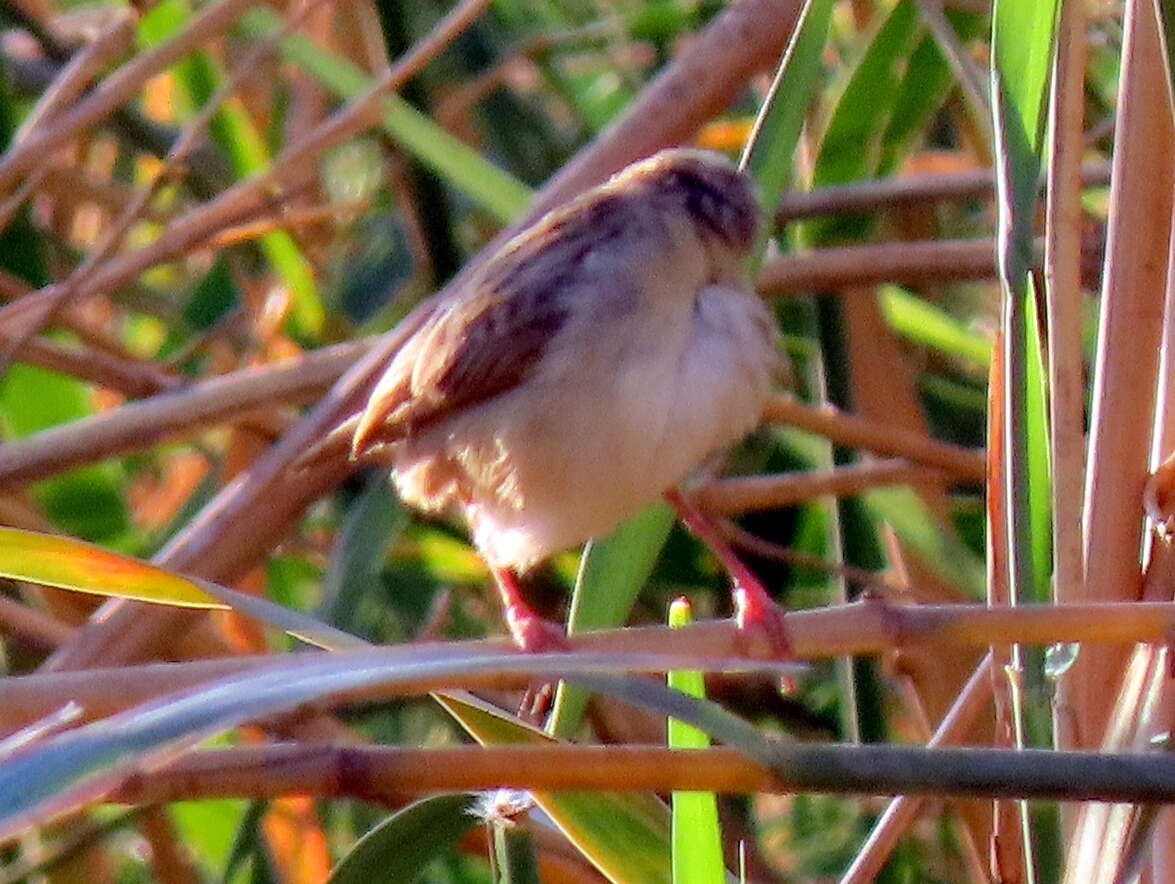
(532,633)
(756,611)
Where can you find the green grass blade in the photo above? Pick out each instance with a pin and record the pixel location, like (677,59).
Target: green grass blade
(697,839)
(1022,41)
(612,571)
(769,154)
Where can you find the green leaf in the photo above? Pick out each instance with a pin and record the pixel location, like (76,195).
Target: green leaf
(696,836)
(922,322)
(58,561)
(404,844)
(86,501)
(1022,42)
(770,152)
(612,571)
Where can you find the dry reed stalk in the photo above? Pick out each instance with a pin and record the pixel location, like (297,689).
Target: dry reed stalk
(725,497)
(29,624)
(833,269)
(138,378)
(138,425)
(1063,291)
(869,627)
(904,190)
(883,390)
(1105,836)
(228,534)
(1127,361)
(1008,849)
(796,767)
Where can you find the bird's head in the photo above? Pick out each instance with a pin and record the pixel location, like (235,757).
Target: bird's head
(706,188)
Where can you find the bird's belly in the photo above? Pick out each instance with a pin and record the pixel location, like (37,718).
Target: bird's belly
(616,446)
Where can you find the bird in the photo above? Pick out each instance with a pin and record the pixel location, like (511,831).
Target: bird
(584,372)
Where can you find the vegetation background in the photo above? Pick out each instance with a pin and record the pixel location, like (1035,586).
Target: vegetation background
(211,213)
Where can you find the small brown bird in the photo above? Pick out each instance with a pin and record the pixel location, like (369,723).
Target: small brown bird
(584,372)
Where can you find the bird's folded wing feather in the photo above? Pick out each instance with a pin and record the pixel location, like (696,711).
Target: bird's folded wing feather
(474,349)
(489,339)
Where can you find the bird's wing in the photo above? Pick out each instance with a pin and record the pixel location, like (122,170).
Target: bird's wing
(489,338)
(483,343)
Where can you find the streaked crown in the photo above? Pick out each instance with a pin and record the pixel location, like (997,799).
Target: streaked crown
(715,195)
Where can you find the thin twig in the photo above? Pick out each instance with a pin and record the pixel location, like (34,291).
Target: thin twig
(905,190)
(731,496)
(138,425)
(853,431)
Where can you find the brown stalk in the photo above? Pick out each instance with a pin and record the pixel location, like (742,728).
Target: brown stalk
(31,625)
(226,536)
(725,497)
(1108,838)
(859,628)
(887,587)
(901,812)
(15,290)
(287,220)
(848,266)
(1008,849)
(76,74)
(1063,291)
(139,378)
(904,190)
(384,774)
(138,425)
(1131,322)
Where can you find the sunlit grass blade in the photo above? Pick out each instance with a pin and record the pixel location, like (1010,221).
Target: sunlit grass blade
(65,563)
(697,839)
(923,323)
(769,155)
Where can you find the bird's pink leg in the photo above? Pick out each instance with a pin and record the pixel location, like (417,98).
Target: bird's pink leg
(530,631)
(754,607)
